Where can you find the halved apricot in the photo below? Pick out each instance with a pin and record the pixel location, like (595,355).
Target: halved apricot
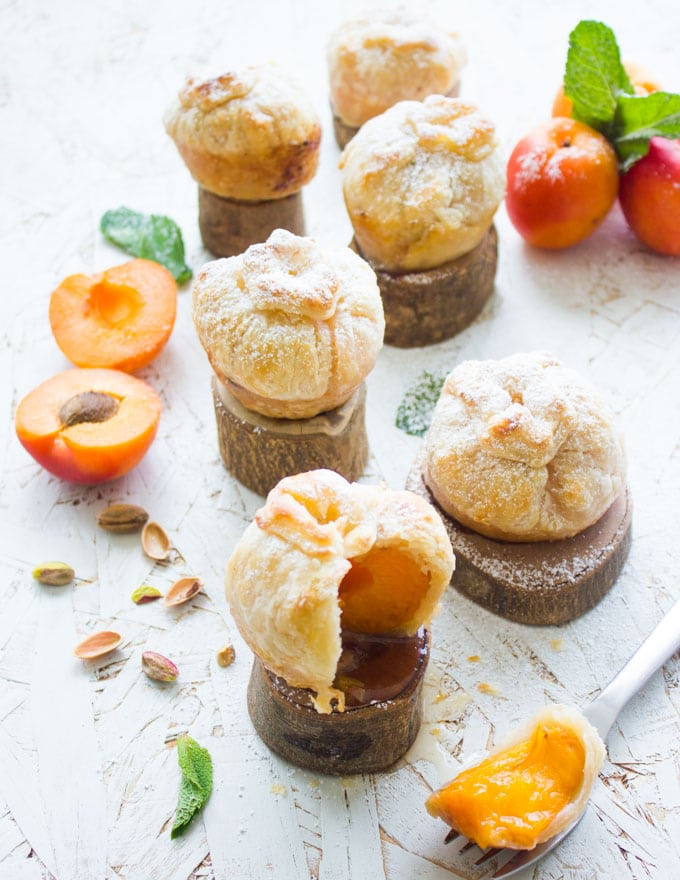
(119,319)
(88,425)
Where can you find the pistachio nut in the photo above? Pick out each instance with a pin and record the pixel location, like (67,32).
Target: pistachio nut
(53,574)
(158,667)
(155,542)
(145,594)
(225,656)
(182,590)
(97,645)
(122,519)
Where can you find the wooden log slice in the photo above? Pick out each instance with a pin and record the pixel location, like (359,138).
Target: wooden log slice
(540,582)
(422,308)
(365,739)
(259,451)
(229,226)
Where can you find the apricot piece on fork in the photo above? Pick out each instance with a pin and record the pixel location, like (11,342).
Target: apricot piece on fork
(88,425)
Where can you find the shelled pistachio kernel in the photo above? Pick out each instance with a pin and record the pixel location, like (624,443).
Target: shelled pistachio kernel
(158,667)
(123,519)
(225,656)
(54,574)
(145,594)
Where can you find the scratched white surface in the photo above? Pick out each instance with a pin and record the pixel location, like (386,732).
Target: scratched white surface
(87,780)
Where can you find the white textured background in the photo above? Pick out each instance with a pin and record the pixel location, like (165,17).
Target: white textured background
(87,780)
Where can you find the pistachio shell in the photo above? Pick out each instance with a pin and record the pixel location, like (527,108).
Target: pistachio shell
(53,574)
(145,594)
(155,542)
(158,667)
(98,644)
(182,590)
(122,518)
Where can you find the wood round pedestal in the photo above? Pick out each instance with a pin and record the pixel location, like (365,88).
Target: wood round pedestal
(259,451)
(359,740)
(229,226)
(422,308)
(540,582)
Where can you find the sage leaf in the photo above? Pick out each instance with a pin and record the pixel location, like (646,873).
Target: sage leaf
(149,236)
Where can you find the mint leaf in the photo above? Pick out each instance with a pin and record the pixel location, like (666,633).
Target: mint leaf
(640,118)
(150,236)
(197,780)
(414,413)
(594,76)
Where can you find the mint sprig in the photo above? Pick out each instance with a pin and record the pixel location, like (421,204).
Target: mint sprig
(150,236)
(196,784)
(604,98)
(414,413)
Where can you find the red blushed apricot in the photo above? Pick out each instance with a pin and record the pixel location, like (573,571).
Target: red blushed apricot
(88,425)
(562,180)
(120,318)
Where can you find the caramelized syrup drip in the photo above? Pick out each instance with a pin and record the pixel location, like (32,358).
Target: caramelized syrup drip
(375,668)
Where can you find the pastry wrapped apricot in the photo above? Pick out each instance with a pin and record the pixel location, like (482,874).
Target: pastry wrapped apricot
(532,786)
(324,554)
(523,449)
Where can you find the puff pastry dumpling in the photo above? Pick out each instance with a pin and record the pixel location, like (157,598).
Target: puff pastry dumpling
(523,449)
(291,328)
(324,554)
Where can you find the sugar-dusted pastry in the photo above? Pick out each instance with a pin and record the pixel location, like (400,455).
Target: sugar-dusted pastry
(523,449)
(525,462)
(421,184)
(533,785)
(331,575)
(384,56)
(250,139)
(291,330)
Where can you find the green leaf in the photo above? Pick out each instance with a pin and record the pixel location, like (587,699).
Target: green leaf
(414,413)
(197,780)
(150,236)
(594,76)
(640,118)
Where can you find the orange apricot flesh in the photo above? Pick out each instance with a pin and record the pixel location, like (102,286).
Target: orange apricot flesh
(381,591)
(88,425)
(510,798)
(118,319)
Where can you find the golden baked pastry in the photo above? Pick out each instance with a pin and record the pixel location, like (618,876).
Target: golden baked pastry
(422,182)
(532,786)
(523,449)
(324,553)
(291,328)
(390,55)
(250,135)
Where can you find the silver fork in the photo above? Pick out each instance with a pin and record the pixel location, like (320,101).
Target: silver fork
(657,648)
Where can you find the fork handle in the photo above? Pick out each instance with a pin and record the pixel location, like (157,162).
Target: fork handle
(657,648)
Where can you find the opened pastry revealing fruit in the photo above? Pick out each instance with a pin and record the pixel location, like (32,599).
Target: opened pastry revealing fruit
(89,426)
(325,557)
(532,786)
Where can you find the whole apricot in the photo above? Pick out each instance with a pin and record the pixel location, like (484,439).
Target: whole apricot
(649,195)
(562,179)
(88,425)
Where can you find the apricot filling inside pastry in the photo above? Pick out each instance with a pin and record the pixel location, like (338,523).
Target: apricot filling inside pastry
(333,584)
(530,788)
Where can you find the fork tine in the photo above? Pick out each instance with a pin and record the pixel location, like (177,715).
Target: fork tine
(514,864)
(452,835)
(488,855)
(468,846)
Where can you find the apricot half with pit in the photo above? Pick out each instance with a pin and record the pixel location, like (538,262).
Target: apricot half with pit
(88,425)
(118,319)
